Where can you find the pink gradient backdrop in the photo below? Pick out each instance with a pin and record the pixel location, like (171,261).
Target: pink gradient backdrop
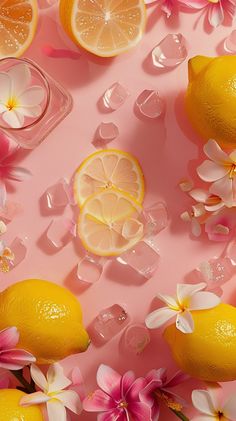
(165,149)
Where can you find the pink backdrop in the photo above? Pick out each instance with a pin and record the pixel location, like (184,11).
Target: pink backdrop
(166,148)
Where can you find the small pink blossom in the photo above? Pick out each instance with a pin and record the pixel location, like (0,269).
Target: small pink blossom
(10,357)
(169,7)
(9,172)
(211,405)
(216,9)
(118,397)
(158,391)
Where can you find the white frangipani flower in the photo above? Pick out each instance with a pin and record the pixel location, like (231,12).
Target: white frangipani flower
(209,403)
(54,396)
(188,298)
(17,98)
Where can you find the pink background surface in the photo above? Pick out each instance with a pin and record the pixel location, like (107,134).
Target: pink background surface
(164,147)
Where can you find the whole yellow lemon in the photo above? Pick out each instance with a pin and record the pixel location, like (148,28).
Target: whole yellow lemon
(209,353)
(10,409)
(211,98)
(48,317)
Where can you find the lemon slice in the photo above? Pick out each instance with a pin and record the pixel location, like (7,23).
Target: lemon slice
(107,169)
(109,223)
(18,21)
(104,27)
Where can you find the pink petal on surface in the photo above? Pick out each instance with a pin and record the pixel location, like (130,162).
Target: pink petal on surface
(9,338)
(184,322)
(195,4)
(108,379)
(146,395)
(3,194)
(13,119)
(139,411)
(204,300)
(20,76)
(98,401)
(78,383)
(15,359)
(4,146)
(34,95)
(157,375)
(70,400)
(133,393)
(216,14)
(184,291)
(177,379)
(56,379)
(167,299)
(199,195)
(215,153)
(115,415)
(159,317)
(18,173)
(34,399)
(169,7)
(126,381)
(211,171)
(5,87)
(196,228)
(202,401)
(56,411)
(38,377)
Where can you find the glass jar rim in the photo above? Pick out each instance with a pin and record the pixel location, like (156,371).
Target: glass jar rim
(47,89)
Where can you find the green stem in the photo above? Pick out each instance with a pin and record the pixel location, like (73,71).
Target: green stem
(180,415)
(30,388)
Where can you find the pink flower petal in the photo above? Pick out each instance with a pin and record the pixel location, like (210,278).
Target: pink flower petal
(5,87)
(196,227)
(159,317)
(126,381)
(215,153)
(195,4)
(13,119)
(115,415)
(34,399)
(34,95)
(203,402)
(134,390)
(169,7)
(18,173)
(146,395)
(108,380)
(199,195)
(139,411)
(177,379)
(20,76)
(56,379)
(15,359)
(184,291)
(157,375)
(226,189)
(77,378)
(204,300)
(216,14)
(38,377)
(70,400)
(184,322)
(210,171)
(9,338)
(98,401)
(4,146)
(56,411)
(3,194)
(230,408)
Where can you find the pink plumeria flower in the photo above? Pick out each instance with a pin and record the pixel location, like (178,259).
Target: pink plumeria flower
(78,383)
(9,172)
(188,298)
(216,9)
(53,394)
(222,225)
(169,7)
(158,391)
(17,98)
(221,171)
(118,398)
(210,404)
(10,357)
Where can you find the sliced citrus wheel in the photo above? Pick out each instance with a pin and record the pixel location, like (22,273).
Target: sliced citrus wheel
(18,20)
(107,169)
(104,27)
(109,223)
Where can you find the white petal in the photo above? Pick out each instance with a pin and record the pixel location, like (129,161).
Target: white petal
(70,400)
(13,119)
(184,322)
(34,399)
(199,195)
(215,153)
(5,87)
(167,299)
(21,78)
(38,377)
(32,96)
(3,108)
(159,317)
(56,378)
(233,156)
(213,208)
(229,408)
(202,401)
(211,171)
(3,194)
(196,228)
(56,411)
(185,291)
(33,112)
(224,189)
(216,14)
(203,300)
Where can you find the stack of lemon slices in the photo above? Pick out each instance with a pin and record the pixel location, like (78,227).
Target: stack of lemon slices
(109,188)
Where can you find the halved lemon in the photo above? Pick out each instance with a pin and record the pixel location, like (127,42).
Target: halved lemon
(107,169)
(109,223)
(18,21)
(104,27)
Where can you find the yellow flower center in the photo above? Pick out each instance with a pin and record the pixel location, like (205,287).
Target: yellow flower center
(213,1)
(168,401)
(232,172)
(123,404)
(220,415)
(12,103)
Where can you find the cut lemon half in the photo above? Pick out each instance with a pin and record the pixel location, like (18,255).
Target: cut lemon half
(109,223)
(104,27)
(18,21)
(107,169)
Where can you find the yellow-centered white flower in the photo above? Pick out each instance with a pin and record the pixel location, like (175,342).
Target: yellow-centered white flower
(188,298)
(18,97)
(211,405)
